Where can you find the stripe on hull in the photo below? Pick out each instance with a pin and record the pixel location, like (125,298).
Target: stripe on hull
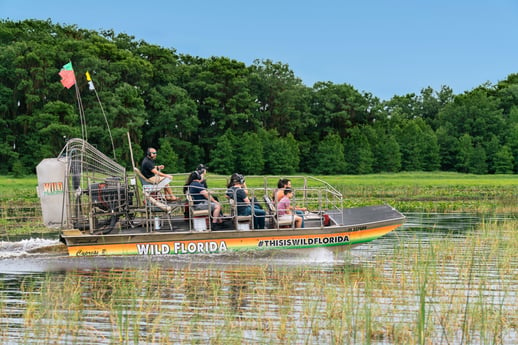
(213,246)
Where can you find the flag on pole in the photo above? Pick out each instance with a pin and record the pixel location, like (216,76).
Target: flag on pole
(68,78)
(90,82)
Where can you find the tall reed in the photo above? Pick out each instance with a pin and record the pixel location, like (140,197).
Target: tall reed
(438,289)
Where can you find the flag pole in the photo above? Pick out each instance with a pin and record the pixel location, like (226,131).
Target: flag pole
(82,118)
(68,79)
(92,88)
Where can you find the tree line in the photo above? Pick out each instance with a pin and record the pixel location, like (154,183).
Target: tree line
(255,119)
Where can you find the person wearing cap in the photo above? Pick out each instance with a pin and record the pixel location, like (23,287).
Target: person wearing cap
(202,170)
(202,198)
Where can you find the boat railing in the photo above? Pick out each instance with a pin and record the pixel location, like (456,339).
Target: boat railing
(316,201)
(98,194)
(104,198)
(301,184)
(310,193)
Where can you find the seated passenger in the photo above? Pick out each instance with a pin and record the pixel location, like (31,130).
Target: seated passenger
(284,209)
(202,169)
(201,198)
(152,172)
(237,191)
(279,194)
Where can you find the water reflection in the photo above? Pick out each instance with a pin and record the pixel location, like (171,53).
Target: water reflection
(424,275)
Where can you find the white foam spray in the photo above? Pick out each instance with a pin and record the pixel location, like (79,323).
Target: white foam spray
(24,247)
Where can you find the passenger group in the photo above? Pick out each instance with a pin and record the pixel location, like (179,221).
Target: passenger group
(196,186)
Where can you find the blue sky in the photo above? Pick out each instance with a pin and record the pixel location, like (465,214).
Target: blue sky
(379,46)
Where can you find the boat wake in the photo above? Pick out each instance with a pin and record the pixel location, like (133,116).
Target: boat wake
(30,247)
(320,255)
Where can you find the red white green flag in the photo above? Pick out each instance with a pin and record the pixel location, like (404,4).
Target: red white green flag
(68,78)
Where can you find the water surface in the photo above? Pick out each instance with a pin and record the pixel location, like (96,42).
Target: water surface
(378,293)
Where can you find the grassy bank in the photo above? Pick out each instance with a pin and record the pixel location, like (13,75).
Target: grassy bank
(408,192)
(433,192)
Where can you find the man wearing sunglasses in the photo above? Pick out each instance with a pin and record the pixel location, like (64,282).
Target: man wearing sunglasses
(152,172)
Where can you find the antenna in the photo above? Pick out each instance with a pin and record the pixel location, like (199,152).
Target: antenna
(92,88)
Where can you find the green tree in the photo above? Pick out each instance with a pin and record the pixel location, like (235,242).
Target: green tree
(249,154)
(477,160)
(219,87)
(50,127)
(431,102)
(358,153)
(465,153)
(491,147)
(504,161)
(506,92)
(431,159)
(385,150)
(223,155)
(293,152)
(156,95)
(281,154)
(476,114)
(400,108)
(471,158)
(307,153)
(8,155)
(280,104)
(329,158)
(18,170)
(168,157)
(172,114)
(416,147)
(448,148)
(338,108)
(512,139)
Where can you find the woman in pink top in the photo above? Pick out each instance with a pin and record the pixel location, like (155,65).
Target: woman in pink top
(284,209)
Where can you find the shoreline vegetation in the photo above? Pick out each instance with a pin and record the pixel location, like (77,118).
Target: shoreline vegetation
(436,192)
(235,115)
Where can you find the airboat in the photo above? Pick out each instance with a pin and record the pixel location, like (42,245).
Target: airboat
(100,208)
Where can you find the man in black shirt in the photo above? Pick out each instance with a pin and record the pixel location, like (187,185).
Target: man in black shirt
(152,172)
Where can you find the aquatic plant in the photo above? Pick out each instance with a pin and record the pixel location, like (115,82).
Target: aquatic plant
(20,211)
(441,289)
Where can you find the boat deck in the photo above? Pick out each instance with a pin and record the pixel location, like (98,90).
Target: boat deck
(351,218)
(363,215)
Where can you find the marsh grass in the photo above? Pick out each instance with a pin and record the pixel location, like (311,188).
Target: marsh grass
(440,290)
(20,211)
